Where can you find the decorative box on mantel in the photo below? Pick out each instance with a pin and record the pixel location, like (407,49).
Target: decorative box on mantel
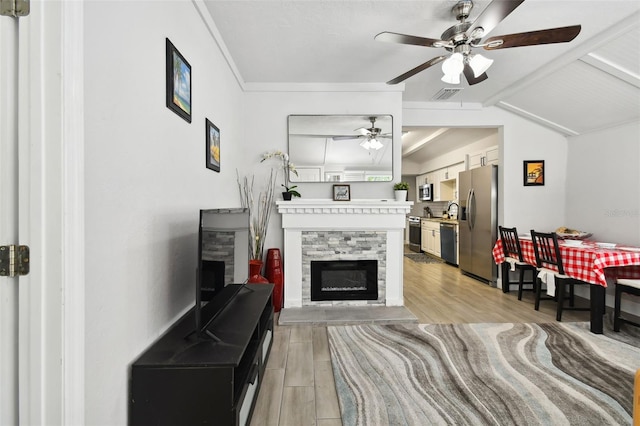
(343,230)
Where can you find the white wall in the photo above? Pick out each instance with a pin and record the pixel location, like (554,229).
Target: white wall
(603,190)
(266,113)
(145,182)
(603,184)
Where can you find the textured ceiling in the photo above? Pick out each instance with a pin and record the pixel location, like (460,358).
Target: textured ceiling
(588,84)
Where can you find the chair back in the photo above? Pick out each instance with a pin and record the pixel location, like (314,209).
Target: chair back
(547,250)
(510,243)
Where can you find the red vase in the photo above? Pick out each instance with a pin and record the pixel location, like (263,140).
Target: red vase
(255,270)
(274,274)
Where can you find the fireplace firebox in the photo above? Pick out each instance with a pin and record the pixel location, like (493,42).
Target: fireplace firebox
(344,280)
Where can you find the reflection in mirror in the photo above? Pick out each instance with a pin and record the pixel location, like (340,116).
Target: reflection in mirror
(341,148)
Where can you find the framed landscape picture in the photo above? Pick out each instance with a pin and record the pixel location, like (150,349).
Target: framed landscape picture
(178,80)
(213,146)
(533,173)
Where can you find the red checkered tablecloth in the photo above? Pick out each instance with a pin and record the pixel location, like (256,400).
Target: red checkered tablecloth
(587,262)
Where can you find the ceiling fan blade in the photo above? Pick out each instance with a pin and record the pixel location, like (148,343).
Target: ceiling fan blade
(409,39)
(492,15)
(471,79)
(532,38)
(417,69)
(346,138)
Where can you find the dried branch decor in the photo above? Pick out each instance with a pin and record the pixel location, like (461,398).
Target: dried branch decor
(259,211)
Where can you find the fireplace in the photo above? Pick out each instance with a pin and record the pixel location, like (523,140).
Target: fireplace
(325,230)
(344,280)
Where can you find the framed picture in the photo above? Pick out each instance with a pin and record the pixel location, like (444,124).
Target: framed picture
(533,173)
(213,146)
(178,83)
(341,193)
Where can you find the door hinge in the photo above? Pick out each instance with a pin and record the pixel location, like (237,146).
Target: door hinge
(14,8)
(14,260)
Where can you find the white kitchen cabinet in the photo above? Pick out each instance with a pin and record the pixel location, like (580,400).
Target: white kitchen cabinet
(431,237)
(455,169)
(483,158)
(423,237)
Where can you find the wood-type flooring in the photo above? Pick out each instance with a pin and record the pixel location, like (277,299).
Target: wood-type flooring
(298,387)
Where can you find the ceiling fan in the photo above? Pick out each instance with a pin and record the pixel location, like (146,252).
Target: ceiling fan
(370,135)
(461,38)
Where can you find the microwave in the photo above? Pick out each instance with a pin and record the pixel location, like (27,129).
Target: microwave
(425,192)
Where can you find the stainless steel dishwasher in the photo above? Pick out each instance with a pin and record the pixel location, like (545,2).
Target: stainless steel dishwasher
(448,242)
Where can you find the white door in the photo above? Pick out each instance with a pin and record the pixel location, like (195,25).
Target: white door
(41,314)
(8,218)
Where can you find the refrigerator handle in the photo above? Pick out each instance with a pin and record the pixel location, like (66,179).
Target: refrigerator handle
(469,209)
(472,211)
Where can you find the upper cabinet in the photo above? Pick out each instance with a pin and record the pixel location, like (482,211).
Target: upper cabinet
(445,182)
(483,158)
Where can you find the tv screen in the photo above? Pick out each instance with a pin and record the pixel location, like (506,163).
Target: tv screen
(223,261)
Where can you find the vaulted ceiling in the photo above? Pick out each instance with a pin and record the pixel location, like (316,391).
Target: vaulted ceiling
(590,83)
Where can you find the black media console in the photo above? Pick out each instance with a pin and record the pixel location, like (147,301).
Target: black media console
(185,378)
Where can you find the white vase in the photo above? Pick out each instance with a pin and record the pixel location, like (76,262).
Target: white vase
(401,194)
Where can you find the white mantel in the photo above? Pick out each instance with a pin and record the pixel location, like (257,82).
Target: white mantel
(300,215)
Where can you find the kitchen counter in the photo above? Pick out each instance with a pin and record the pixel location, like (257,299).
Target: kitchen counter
(439,220)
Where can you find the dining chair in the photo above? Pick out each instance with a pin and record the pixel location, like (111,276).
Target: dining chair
(628,286)
(514,261)
(547,252)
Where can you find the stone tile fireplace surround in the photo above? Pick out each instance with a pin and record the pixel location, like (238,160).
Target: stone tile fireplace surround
(343,230)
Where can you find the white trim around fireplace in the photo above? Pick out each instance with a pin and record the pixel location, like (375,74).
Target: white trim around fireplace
(320,214)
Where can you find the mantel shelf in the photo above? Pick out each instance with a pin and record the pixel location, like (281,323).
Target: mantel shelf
(327,206)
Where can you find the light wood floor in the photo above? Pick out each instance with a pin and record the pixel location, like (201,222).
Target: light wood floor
(298,388)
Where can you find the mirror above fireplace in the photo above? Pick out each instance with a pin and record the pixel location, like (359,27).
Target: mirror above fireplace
(341,148)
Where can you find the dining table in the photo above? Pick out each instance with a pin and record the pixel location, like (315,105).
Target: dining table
(594,262)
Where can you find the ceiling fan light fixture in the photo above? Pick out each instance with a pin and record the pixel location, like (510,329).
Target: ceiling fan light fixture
(452,67)
(365,144)
(451,79)
(375,144)
(454,64)
(479,64)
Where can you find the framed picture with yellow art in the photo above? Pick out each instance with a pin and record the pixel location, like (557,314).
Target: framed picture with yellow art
(533,173)
(213,146)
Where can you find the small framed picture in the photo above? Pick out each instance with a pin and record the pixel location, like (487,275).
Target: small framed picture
(178,80)
(341,193)
(533,173)
(213,146)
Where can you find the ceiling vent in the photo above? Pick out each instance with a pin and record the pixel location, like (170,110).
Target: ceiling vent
(446,93)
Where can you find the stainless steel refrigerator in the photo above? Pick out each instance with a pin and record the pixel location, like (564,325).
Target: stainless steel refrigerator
(478,219)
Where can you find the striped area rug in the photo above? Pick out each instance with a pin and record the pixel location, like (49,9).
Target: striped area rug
(482,374)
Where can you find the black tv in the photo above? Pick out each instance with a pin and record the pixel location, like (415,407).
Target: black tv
(223,263)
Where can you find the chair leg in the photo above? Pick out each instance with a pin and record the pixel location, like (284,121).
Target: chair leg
(520,284)
(538,287)
(505,277)
(571,294)
(560,291)
(616,308)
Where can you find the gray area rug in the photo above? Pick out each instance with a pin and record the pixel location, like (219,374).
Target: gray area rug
(499,374)
(422,258)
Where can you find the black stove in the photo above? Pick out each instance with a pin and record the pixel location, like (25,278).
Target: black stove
(415,233)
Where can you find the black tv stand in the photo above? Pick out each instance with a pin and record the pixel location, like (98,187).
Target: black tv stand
(184,378)
(214,308)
